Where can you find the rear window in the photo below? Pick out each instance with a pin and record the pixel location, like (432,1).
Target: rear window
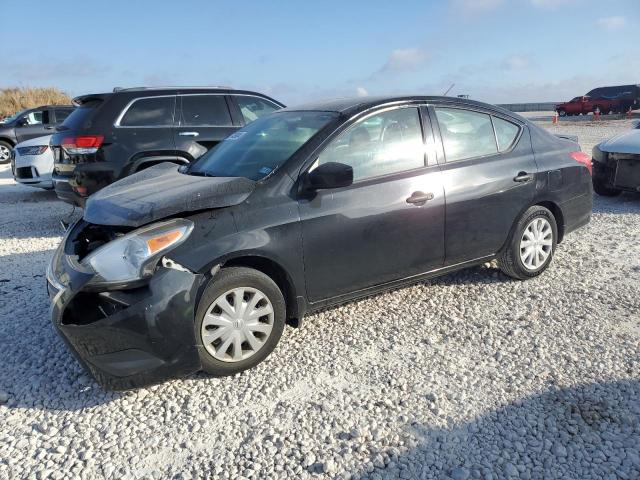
(149,112)
(80,116)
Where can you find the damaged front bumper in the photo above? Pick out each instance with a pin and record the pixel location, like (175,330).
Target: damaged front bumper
(126,338)
(619,170)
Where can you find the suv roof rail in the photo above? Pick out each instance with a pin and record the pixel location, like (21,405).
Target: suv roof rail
(133,89)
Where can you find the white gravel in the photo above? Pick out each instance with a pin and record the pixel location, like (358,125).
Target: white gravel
(471,375)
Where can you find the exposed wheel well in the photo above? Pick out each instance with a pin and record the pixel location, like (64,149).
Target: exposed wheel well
(277,274)
(557,214)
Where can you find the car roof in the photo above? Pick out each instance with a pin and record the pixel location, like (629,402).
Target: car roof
(351,106)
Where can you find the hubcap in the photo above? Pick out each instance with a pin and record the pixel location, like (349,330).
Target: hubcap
(536,243)
(237,324)
(5,153)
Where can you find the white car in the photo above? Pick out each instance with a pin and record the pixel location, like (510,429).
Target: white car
(32,163)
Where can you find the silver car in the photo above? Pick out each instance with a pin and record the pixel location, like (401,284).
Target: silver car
(32,163)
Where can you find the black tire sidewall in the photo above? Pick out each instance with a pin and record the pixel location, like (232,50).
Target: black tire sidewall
(225,280)
(531,214)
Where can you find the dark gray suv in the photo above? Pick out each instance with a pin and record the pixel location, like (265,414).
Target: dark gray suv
(112,135)
(28,124)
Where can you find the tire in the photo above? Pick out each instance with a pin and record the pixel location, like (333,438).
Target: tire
(511,260)
(5,152)
(601,185)
(221,327)
(562,113)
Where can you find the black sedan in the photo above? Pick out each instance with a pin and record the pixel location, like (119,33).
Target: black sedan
(177,269)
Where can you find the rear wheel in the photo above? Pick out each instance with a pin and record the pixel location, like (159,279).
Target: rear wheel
(5,152)
(533,241)
(239,321)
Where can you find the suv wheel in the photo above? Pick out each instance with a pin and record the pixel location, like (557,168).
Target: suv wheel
(5,152)
(239,320)
(530,249)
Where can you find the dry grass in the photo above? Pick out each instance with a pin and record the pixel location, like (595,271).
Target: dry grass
(15,99)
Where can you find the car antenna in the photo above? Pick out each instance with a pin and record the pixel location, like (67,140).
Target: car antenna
(448,89)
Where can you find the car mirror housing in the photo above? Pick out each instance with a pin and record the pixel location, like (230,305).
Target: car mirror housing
(330,175)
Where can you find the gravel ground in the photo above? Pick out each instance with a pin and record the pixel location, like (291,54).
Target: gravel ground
(471,375)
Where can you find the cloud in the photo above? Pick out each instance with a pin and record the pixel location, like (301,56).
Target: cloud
(362,92)
(611,23)
(36,71)
(404,59)
(477,5)
(515,62)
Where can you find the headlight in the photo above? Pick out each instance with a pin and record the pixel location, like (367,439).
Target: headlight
(134,256)
(35,150)
(598,155)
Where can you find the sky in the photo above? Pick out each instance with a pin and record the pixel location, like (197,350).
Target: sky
(499,51)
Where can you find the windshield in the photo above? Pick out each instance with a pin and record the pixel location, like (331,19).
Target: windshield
(262,146)
(12,117)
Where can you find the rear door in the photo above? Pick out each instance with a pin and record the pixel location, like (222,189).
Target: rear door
(489,175)
(203,121)
(389,224)
(33,124)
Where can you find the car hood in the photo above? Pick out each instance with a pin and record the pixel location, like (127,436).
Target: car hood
(34,142)
(162,191)
(627,142)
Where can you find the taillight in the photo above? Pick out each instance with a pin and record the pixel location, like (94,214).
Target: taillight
(82,144)
(582,158)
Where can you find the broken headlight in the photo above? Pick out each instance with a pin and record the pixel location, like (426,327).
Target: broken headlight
(135,255)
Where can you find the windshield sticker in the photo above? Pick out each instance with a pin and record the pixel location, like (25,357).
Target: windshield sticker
(266,170)
(235,136)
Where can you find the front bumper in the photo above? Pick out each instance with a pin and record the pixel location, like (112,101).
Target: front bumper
(126,338)
(619,171)
(32,170)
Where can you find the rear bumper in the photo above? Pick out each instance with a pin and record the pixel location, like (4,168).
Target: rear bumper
(65,192)
(577,211)
(127,338)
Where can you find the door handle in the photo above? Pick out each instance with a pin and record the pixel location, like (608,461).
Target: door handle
(188,134)
(420,198)
(522,177)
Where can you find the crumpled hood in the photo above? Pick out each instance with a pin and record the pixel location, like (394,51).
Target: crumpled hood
(627,142)
(161,191)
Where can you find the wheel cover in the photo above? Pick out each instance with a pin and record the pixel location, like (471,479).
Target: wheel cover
(536,243)
(237,324)
(5,153)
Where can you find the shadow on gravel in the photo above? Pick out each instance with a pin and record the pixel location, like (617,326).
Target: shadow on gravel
(626,203)
(588,431)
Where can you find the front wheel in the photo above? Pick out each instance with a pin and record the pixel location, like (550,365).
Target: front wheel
(562,113)
(239,320)
(530,249)
(5,152)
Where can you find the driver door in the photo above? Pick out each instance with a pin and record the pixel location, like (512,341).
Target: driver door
(387,225)
(33,124)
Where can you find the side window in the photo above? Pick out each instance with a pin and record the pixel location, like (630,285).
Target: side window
(465,134)
(205,111)
(254,107)
(62,113)
(149,112)
(37,117)
(381,144)
(506,133)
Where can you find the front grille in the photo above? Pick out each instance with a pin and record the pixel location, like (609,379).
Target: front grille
(24,172)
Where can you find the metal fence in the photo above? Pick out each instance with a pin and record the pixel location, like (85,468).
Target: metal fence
(530,107)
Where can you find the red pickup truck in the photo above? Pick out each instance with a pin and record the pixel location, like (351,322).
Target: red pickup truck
(585,104)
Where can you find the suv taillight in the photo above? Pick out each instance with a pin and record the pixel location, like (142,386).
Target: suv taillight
(82,144)
(584,159)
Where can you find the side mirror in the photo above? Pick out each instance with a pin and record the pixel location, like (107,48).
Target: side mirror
(330,175)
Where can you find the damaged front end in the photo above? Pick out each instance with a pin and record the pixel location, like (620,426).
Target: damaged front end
(125,310)
(618,170)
